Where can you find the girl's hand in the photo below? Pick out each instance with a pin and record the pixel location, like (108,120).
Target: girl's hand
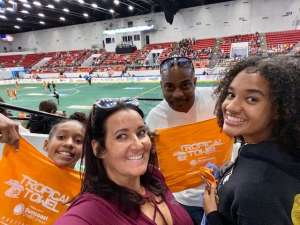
(210,199)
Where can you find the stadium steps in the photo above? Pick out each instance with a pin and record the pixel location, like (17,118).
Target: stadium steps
(263,44)
(216,54)
(41,63)
(89,61)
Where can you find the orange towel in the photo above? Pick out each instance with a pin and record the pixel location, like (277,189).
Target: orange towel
(183,152)
(33,190)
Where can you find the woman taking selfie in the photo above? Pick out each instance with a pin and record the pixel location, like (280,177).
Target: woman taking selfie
(121,184)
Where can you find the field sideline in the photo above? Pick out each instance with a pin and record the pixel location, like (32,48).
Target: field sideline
(80,96)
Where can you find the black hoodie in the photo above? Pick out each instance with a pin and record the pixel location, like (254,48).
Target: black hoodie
(261,188)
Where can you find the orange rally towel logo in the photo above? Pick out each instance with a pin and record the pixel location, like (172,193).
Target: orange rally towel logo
(33,190)
(184,151)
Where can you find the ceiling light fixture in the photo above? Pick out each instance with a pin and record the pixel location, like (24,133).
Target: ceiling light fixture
(62,18)
(112,11)
(116,2)
(36,3)
(10,9)
(85,15)
(66,10)
(94,5)
(42,22)
(41,15)
(12,2)
(23,1)
(19,19)
(3,17)
(24,11)
(17,27)
(130,7)
(81,1)
(57,0)
(50,6)
(27,5)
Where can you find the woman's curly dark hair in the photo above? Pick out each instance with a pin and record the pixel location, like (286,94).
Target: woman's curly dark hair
(95,178)
(283,75)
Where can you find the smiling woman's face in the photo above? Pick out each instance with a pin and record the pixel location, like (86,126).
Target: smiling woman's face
(127,146)
(248,109)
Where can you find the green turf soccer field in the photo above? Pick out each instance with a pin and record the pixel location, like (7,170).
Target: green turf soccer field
(80,97)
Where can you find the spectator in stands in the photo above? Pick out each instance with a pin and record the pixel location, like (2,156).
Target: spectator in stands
(258,103)
(121,185)
(183,104)
(40,123)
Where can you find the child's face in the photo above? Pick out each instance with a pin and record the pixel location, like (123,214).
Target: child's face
(65,145)
(247,109)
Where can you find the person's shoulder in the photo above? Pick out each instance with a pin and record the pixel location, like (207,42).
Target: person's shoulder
(84,209)
(157,117)
(205,100)
(87,200)
(161,105)
(158,110)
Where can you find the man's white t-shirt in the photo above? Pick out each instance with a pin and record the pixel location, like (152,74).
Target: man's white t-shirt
(163,116)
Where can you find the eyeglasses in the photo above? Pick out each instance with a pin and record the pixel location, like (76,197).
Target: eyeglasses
(110,103)
(181,61)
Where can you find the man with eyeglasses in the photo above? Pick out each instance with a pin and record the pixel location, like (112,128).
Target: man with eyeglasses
(183,104)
